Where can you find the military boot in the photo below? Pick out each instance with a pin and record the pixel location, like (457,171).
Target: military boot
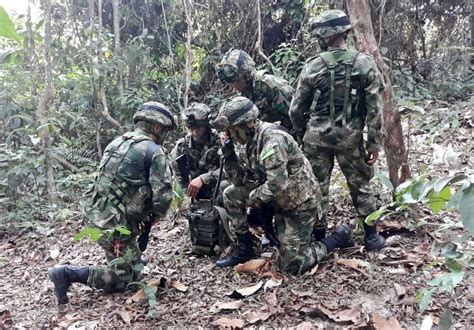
(63,275)
(240,253)
(372,240)
(319,233)
(340,239)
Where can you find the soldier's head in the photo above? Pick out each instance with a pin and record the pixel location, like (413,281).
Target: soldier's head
(238,117)
(155,119)
(330,27)
(236,68)
(196,119)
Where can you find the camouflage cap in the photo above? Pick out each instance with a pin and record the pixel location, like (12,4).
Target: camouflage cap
(329,23)
(234,64)
(196,114)
(155,112)
(236,111)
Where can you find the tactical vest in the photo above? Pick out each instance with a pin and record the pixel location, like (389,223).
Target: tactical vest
(283,86)
(340,87)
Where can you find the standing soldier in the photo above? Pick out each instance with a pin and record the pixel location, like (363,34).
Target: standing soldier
(271,94)
(338,93)
(134,181)
(270,167)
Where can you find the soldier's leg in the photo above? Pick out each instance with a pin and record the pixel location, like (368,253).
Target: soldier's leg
(322,163)
(235,199)
(358,175)
(123,256)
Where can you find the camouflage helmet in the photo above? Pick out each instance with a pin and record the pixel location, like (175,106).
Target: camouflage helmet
(329,23)
(236,111)
(155,112)
(234,64)
(196,114)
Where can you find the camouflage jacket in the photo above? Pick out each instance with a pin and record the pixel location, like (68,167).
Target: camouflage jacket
(272,95)
(201,160)
(310,107)
(273,165)
(134,180)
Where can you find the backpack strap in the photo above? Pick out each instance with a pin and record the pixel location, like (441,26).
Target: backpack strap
(331,63)
(348,61)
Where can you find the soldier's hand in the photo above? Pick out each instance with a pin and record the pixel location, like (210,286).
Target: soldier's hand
(372,157)
(224,137)
(194,186)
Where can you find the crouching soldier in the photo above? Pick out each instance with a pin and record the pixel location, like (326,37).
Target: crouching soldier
(270,167)
(196,164)
(134,181)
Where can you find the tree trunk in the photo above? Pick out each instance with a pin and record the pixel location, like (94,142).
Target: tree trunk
(393,142)
(188,8)
(472,35)
(117,47)
(42,109)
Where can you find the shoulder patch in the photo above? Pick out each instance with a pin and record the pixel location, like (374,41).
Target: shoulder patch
(265,154)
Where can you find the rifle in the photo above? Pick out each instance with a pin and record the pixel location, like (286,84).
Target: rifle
(145,235)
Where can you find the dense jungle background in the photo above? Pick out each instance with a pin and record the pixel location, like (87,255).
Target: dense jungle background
(73,72)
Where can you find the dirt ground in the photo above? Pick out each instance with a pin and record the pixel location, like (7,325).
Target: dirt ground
(351,289)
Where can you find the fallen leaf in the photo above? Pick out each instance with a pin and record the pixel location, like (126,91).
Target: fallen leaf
(355,264)
(225,306)
(225,322)
(346,316)
(382,323)
(247,291)
(301,293)
(252,266)
(306,326)
(126,316)
(271,283)
(178,286)
(141,295)
(314,270)
(427,323)
(253,317)
(54,253)
(5,246)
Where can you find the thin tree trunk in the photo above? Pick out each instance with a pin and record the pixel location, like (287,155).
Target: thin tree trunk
(188,9)
(117,47)
(102,96)
(258,43)
(393,142)
(472,35)
(42,109)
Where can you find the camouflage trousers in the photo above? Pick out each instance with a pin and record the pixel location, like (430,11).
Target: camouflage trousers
(124,266)
(297,251)
(354,167)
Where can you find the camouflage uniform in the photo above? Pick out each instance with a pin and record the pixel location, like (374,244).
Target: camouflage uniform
(134,181)
(271,94)
(270,167)
(331,121)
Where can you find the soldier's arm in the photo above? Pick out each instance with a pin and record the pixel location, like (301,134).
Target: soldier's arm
(160,179)
(301,101)
(274,159)
(175,153)
(373,90)
(232,164)
(272,96)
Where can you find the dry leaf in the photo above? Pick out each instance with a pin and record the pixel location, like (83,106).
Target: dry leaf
(5,246)
(54,253)
(304,326)
(382,323)
(140,294)
(247,291)
(125,315)
(178,286)
(253,317)
(271,283)
(225,306)
(355,264)
(251,266)
(301,293)
(346,316)
(225,322)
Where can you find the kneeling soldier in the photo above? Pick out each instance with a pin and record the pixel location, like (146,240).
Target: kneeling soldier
(270,167)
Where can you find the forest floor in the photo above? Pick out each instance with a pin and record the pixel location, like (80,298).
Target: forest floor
(351,289)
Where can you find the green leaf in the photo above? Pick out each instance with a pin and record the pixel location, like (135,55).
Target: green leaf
(446,319)
(7,28)
(466,208)
(442,182)
(385,180)
(123,230)
(447,282)
(374,216)
(93,233)
(150,292)
(438,201)
(117,261)
(138,267)
(426,297)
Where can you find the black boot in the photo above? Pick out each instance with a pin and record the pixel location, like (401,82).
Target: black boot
(241,253)
(319,233)
(341,238)
(372,240)
(63,275)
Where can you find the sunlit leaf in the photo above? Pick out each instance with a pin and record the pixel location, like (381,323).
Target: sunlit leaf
(466,208)
(7,28)
(93,233)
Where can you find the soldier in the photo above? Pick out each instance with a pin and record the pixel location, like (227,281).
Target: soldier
(270,167)
(196,160)
(272,95)
(338,93)
(134,181)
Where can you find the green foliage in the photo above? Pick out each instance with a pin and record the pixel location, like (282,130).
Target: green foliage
(7,29)
(289,61)
(93,233)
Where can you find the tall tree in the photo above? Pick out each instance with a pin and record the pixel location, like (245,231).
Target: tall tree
(42,108)
(394,145)
(117,46)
